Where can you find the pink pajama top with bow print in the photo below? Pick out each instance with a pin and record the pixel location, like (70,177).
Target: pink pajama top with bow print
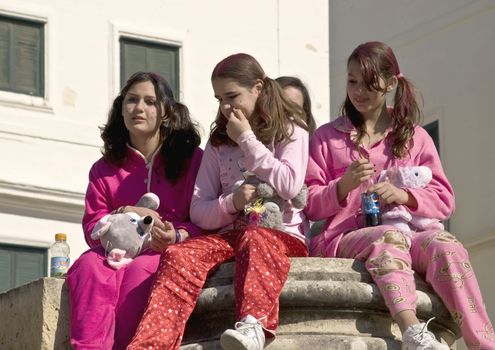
(332,151)
(282,166)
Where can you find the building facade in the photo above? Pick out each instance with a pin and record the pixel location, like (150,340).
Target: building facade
(63,62)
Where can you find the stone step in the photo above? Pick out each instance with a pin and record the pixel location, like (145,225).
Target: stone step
(325,304)
(322,298)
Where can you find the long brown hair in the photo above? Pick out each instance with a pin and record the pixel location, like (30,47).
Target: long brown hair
(377,60)
(178,133)
(273,112)
(290,81)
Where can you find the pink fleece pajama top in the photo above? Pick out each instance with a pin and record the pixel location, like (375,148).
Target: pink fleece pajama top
(111,187)
(332,151)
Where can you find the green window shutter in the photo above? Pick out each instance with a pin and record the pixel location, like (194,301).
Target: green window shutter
(20,265)
(146,56)
(21,56)
(133,60)
(4,56)
(6,275)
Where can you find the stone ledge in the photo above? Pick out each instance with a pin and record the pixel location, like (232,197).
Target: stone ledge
(325,304)
(35,316)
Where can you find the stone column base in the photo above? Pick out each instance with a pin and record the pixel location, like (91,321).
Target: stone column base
(325,304)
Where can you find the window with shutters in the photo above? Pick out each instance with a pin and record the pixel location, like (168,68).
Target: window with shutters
(140,55)
(20,265)
(21,56)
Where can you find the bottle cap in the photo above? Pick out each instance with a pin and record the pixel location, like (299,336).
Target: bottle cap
(60,237)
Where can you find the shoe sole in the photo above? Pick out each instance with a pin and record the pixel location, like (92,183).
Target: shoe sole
(230,343)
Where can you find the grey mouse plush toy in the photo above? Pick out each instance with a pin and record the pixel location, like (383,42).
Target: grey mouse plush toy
(126,235)
(267,209)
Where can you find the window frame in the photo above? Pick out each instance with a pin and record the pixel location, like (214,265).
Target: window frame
(156,34)
(25,101)
(150,44)
(18,249)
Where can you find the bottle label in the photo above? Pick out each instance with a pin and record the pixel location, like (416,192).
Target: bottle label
(59,266)
(370,203)
(371,208)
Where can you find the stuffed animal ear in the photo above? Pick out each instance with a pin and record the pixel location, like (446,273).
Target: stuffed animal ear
(149,200)
(301,199)
(101,227)
(264,190)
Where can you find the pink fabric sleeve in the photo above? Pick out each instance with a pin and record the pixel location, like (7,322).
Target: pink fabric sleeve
(210,209)
(285,168)
(97,205)
(192,172)
(436,200)
(322,197)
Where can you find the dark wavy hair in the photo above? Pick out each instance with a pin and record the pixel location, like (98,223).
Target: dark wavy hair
(377,60)
(273,112)
(179,134)
(289,81)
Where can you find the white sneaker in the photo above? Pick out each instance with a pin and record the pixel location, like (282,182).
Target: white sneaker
(247,335)
(418,337)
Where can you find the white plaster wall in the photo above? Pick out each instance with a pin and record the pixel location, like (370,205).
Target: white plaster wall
(446,47)
(49,144)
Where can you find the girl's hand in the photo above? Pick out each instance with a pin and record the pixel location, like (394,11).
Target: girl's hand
(237,123)
(162,234)
(243,195)
(358,172)
(389,193)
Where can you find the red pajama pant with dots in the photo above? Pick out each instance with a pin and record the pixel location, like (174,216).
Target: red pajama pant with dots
(391,257)
(261,269)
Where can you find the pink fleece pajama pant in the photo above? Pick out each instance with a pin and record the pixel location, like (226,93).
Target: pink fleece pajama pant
(262,265)
(107,304)
(391,258)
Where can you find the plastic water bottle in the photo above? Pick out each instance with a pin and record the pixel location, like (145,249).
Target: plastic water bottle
(59,252)
(370,204)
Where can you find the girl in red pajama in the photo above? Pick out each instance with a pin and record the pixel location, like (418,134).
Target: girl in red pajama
(256,130)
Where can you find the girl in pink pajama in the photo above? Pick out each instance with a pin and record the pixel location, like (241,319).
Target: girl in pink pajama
(349,151)
(256,130)
(150,145)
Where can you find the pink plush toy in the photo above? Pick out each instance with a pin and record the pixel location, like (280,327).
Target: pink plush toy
(126,235)
(399,216)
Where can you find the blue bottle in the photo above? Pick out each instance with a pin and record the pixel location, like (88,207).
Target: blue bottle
(370,204)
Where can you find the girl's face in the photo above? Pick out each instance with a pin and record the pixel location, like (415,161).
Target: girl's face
(295,95)
(232,95)
(141,112)
(367,102)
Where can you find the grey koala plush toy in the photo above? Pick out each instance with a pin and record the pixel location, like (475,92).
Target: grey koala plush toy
(126,235)
(267,209)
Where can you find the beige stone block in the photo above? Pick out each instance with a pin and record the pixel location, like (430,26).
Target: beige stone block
(35,316)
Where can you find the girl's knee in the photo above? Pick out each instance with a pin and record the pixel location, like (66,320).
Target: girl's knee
(395,238)
(386,262)
(443,243)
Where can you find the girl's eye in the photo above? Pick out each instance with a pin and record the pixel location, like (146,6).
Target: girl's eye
(150,102)
(351,82)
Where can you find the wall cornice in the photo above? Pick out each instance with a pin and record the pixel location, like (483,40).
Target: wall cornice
(39,202)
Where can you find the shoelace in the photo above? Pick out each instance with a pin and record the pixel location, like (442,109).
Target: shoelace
(249,329)
(424,335)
